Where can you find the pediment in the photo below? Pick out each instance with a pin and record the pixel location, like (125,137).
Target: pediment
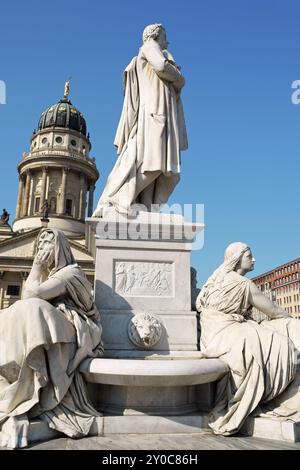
(80,253)
(20,246)
(23,246)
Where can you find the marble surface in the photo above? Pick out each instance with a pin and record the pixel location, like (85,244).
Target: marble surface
(165,442)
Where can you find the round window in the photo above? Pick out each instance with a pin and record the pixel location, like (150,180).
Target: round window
(58,140)
(44,140)
(73,142)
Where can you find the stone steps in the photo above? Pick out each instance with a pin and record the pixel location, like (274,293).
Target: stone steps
(264,428)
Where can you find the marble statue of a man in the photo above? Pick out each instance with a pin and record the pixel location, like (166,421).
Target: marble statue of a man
(151,131)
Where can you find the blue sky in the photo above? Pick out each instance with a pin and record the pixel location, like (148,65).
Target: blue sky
(239,58)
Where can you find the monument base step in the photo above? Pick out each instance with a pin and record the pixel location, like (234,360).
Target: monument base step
(196,423)
(109,425)
(191,423)
(39,431)
(279,429)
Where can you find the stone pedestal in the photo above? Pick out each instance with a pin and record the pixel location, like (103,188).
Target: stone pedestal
(142,285)
(143,292)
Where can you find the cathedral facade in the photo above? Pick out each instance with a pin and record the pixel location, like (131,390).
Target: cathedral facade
(57,179)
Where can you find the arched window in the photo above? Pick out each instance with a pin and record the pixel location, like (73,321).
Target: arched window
(69,206)
(37,204)
(53,205)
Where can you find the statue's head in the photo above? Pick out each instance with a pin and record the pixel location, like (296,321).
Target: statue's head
(46,243)
(239,256)
(55,242)
(157,32)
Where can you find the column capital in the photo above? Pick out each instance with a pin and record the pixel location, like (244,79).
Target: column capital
(45,169)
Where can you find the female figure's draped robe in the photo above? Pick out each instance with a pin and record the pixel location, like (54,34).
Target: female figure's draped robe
(262,357)
(41,345)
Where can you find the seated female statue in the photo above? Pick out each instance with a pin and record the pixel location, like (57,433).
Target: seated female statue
(43,339)
(262,357)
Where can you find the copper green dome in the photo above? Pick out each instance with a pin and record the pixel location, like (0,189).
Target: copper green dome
(63,114)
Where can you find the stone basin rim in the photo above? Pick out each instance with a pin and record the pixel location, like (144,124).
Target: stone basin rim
(138,372)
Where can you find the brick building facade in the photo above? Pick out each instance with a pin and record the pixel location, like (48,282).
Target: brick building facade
(282,285)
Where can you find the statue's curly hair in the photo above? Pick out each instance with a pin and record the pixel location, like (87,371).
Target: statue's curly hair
(152,31)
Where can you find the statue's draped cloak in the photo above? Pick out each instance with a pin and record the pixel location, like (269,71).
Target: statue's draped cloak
(262,357)
(150,135)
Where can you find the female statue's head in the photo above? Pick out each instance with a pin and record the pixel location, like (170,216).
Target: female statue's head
(158,33)
(46,244)
(238,257)
(55,242)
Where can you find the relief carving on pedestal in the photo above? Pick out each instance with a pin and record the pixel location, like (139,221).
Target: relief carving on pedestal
(140,278)
(145,330)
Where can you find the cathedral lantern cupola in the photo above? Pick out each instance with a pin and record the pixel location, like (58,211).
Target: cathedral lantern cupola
(57,171)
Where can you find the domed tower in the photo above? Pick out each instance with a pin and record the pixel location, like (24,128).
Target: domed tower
(57,173)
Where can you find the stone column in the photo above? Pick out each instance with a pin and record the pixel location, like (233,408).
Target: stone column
(82,199)
(20,198)
(61,209)
(31,198)
(44,187)
(91,199)
(47,186)
(27,191)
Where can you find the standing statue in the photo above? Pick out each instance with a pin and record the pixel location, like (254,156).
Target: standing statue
(4,217)
(45,210)
(43,339)
(67,89)
(151,131)
(262,357)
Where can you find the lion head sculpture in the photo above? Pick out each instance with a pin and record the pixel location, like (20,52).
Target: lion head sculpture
(144,330)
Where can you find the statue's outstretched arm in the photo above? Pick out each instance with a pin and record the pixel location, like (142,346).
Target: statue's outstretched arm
(265,305)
